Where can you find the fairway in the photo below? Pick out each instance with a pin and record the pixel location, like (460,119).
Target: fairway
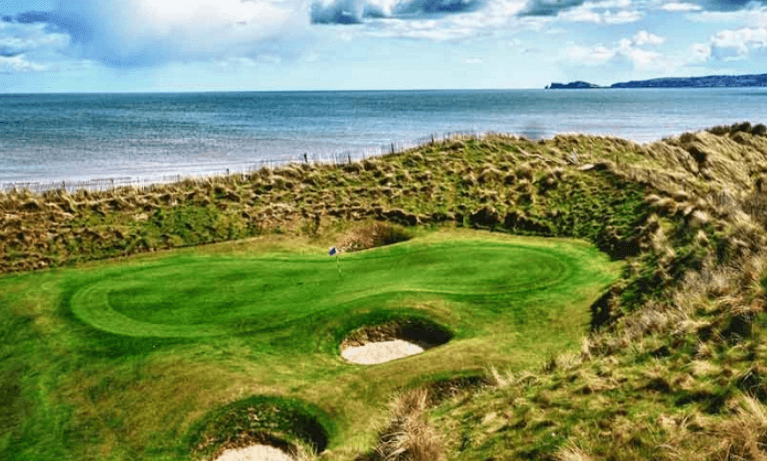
(163,341)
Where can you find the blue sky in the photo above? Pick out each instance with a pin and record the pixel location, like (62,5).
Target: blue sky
(200,45)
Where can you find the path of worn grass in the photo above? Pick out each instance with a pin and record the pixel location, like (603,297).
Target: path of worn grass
(116,360)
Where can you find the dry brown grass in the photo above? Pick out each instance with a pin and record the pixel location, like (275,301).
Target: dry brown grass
(408,436)
(743,437)
(572,452)
(374,235)
(303,453)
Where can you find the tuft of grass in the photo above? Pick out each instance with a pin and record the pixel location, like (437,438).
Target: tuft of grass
(408,435)
(745,435)
(572,453)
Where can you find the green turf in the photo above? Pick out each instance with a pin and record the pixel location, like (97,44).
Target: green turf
(119,360)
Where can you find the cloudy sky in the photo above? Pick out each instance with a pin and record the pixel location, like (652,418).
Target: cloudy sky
(194,45)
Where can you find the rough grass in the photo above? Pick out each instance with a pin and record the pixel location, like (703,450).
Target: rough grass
(428,185)
(374,235)
(408,435)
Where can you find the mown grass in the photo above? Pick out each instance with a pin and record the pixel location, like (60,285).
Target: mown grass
(182,334)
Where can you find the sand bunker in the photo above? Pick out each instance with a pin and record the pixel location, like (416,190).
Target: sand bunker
(380,352)
(395,339)
(255,453)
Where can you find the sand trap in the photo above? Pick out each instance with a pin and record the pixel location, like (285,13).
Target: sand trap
(255,453)
(380,352)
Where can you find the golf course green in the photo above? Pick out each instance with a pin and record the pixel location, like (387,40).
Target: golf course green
(144,352)
(198,297)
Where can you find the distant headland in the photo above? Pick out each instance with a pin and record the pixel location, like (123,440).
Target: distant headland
(572,86)
(710,81)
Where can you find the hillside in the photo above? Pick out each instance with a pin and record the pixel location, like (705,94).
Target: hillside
(674,366)
(709,81)
(579,85)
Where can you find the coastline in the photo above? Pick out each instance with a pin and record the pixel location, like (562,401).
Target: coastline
(93,147)
(104,184)
(135,218)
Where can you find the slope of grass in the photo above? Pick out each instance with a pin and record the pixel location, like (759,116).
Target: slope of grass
(676,369)
(118,360)
(499,182)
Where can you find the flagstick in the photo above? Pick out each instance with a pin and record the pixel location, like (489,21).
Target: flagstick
(338,266)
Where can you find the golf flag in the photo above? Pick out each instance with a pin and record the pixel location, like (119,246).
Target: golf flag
(334,252)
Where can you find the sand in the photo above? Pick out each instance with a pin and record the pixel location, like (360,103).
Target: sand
(255,453)
(380,352)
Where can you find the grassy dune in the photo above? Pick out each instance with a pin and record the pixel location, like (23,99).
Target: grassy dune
(673,366)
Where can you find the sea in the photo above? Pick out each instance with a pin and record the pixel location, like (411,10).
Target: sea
(104,140)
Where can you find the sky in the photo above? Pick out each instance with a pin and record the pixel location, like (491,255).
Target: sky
(266,45)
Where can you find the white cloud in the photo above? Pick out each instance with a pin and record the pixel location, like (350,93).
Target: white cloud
(134,33)
(680,7)
(145,32)
(581,14)
(431,30)
(737,44)
(600,13)
(643,59)
(622,17)
(15,64)
(498,15)
(621,4)
(22,38)
(625,50)
(643,37)
(730,45)
(598,54)
(23,47)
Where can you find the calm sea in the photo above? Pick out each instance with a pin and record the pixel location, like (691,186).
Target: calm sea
(78,137)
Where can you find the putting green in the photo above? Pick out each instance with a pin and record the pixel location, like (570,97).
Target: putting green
(206,296)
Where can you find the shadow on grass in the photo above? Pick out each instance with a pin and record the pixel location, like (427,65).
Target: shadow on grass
(275,421)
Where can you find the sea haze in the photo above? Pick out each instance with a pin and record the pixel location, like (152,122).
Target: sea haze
(76,137)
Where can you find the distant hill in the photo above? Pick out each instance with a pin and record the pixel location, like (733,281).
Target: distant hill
(579,85)
(710,81)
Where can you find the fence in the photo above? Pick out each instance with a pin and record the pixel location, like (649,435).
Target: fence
(335,158)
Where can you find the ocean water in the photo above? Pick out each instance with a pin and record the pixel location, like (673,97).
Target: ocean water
(47,138)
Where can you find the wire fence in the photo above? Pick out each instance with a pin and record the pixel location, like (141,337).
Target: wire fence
(334,158)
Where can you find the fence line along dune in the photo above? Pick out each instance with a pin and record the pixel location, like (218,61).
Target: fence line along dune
(143,182)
